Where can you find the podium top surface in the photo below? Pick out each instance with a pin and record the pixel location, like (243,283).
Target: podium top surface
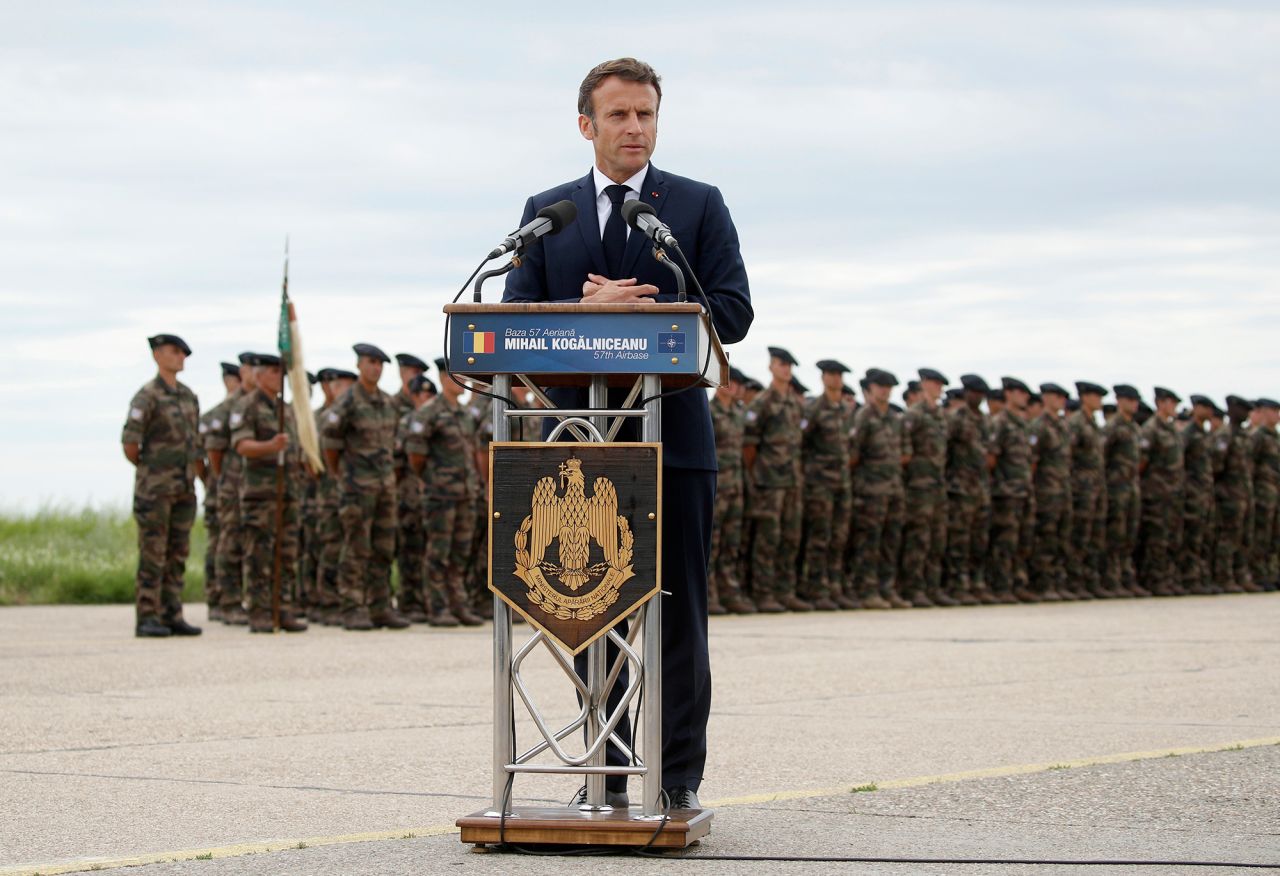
(553,307)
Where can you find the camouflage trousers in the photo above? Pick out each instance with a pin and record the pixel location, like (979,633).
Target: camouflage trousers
(1086,554)
(1230,563)
(324,593)
(1159,538)
(229,564)
(1004,555)
(924,541)
(777,516)
(1264,559)
(1123,505)
(450,541)
(726,540)
(1048,565)
(211,595)
(164,540)
(308,554)
(827,512)
(876,532)
(965,517)
(258,517)
(1195,559)
(477,568)
(411,547)
(368,547)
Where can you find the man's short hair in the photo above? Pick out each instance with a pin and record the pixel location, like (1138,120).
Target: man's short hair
(624,68)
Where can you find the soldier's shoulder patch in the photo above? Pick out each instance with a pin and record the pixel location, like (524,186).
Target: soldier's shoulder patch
(204,427)
(236,419)
(333,417)
(752,416)
(1223,445)
(215,423)
(853,431)
(417,427)
(804,423)
(1033,440)
(135,413)
(1145,443)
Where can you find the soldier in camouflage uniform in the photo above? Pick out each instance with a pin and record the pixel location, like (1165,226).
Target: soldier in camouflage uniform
(160,439)
(359,438)
(441,448)
(751,390)
(876,457)
(1051,458)
(1009,459)
(924,536)
(326,605)
(264,449)
(214,418)
(227,465)
(1122,449)
(1194,558)
(968,490)
(480,410)
(1233,495)
(771,447)
(1266,496)
(1162,487)
(827,428)
(1086,555)
(411,539)
(728,422)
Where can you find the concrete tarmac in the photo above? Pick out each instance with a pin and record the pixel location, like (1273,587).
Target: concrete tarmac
(123,751)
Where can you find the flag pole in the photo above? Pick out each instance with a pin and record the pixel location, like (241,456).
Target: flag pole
(284,345)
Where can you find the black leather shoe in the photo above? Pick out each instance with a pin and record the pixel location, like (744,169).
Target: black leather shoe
(152,628)
(684,798)
(180,627)
(616,799)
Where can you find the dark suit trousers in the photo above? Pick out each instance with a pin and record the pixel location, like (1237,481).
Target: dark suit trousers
(687,503)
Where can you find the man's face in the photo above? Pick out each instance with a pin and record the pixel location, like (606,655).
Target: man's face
(974,398)
(995,405)
(1127,406)
(327,387)
(624,131)
(932,390)
(879,393)
(1090,402)
(169,357)
(1166,408)
(407,373)
(341,385)
(450,388)
(1053,403)
(370,368)
(231,383)
(832,380)
(270,378)
(248,381)
(779,369)
(1201,413)
(1017,399)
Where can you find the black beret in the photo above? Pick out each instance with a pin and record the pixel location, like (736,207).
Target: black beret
(930,374)
(880,377)
(1183,415)
(266,359)
(897,409)
(246,358)
(953,394)
(312,379)
(798,386)
(344,374)
(785,356)
(371,351)
(974,382)
(736,376)
(754,385)
(831,366)
(1008,383)
(864,383)
(1108,409)
(1035,398)
(420,383)
(1219,412)
(324,375)
(410,361)
(995,394)
(230,369)
(1198,399)
(161,340)
(1055,389)
(1124,390)
(441,365)
(1162,393)
(1144,408)
(846,390)
(1073,405)
(1240,401)
(1271,404)
(1084,387)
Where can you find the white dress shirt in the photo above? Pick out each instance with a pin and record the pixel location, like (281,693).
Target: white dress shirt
(604,206)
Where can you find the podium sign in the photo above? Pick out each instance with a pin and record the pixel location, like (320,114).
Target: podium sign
(574,534)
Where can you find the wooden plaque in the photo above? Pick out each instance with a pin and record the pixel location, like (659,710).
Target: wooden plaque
(575,533)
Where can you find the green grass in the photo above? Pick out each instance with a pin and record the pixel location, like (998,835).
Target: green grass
(88,556)
(864,789)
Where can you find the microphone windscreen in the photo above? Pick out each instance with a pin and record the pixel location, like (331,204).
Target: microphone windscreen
(631,211)
(560,214)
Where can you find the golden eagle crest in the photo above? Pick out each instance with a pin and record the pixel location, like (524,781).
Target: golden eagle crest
(576,521)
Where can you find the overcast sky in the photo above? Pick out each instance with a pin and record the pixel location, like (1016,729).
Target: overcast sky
(1057,191)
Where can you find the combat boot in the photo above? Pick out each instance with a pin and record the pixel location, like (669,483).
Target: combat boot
(1021,594)
(235,616)
(215,613)
(938,597)
(443,618)
(357,619)
(966,597)
(918,599)
(467,617)
(875,601)
(151,628)
(390,619)
(180,627)
(794,603)
(894,600)
(715,607)
(416,616)
(846,602)
(739,605)
(292,623)
(824,604)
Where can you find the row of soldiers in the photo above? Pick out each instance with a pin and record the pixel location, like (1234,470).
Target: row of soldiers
(402,480)
(981,494)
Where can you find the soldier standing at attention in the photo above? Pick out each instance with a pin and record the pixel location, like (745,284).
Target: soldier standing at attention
(1265,446)
(1086,554)
(1194,559)
(214,418)
(161,441)
(410,537)
(1233,494)
(326,605)
(359,437)
(827,427)
(751,390)
(258,441)
(1122,450)
(924,535)
(771,446)
(968,490)
(876,457)
(226,464)
(1009,459)
(728,423)
(480,410)
(1052,457)
(1162,491)
(441,448)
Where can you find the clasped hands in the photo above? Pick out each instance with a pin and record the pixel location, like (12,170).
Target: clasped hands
(602,290)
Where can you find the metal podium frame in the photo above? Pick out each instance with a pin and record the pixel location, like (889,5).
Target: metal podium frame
(594,424)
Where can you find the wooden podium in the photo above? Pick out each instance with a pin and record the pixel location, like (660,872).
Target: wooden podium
(576,567)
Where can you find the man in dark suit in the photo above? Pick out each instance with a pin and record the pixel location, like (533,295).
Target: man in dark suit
(597,259)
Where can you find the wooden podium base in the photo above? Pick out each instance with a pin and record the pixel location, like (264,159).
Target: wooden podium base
(564,826)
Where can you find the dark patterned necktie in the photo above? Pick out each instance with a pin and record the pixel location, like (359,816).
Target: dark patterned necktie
(615,232)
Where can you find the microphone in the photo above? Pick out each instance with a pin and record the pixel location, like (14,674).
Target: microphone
(548,221)
(641,217)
